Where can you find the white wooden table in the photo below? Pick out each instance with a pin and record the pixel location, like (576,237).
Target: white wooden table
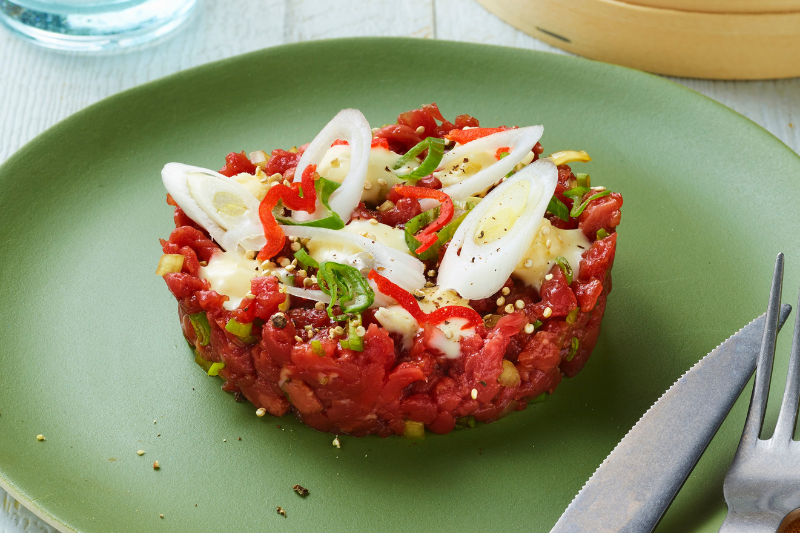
(38,87)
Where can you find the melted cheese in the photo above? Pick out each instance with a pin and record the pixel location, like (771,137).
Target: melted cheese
(567,243)
(335,165)
(380,233)
(230,276)
(395,319)
(256,184)
(450,346)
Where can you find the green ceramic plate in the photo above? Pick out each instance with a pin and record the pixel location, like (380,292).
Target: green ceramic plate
(93,358)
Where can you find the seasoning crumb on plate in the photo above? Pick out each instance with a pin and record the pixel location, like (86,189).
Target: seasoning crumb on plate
(140,452)
(336,442)
(161,516)
(156,466)
(299,489)
(281,511)
(40,437)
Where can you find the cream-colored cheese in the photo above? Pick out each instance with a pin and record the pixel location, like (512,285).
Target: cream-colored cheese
(436,297)
(381,175)
(230,276)
(380,233)
(395,319)
(447,338)
(569,244)
(256,184)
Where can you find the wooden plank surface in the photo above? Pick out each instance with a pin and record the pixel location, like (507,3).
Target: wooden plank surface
(38,88)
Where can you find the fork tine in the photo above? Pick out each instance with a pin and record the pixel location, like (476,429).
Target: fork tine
(787,418)
(758,402)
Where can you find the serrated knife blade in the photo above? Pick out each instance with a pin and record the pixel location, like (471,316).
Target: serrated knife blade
(632,488)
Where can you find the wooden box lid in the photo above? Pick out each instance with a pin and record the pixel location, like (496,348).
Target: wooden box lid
(716,39)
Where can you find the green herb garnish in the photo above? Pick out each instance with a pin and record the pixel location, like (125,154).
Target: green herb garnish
(583,180)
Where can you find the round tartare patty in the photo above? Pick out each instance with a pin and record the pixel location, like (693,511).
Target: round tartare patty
(409,317)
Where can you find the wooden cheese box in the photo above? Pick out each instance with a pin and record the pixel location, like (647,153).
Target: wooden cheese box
(717,39)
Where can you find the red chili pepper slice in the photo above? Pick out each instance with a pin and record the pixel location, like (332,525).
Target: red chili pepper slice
(465,136)
(456,311)
(500,151)
(402,296)
(290,194)
(410,304)
(428,235)
(376,141)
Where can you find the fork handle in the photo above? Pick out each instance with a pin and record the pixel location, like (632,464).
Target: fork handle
(755,522)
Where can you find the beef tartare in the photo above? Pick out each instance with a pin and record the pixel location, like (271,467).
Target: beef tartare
(421,275)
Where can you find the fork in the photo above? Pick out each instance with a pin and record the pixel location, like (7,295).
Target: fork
(762,486)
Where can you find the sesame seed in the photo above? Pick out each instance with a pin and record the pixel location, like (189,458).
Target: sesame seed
(336,442)
(599,188)
(360,331)
(313,279)
(261,411)
(382,182)
(529,328)
(429,284)
(295,246)
(559,238)
(547,312)
(519,304)
(335,163)
(420,130)
(548,277)
(545,230)
(501,301)
(431,273)
(474,394)
(40,437)
(448,334)
(282,261)
(249,254)
(307,282)
(139,452)
(528,263)
(156,466)
(363,234)
(339,330)
(319,306)
(373,221)
(506,291)
(302,273)
(298,338)
(509,308)
(289,268)
(286,182)
(548,243)
(367,185)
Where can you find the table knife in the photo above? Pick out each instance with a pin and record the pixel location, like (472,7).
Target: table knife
(633,487)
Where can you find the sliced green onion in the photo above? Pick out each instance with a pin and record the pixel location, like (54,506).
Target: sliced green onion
(435,147)
(201,327)
(601,234)
(344,284)
(353,341)
(202,363)
(577,210)
(572,316)
(539,399)
(558,208)
(565,268)
(239,329)
(574,348)
(215,368)
(414,430)
(576,192)
(317,348)
(414,225)
(537,324)
(583,180)
(305,260)
(332,220)
(503,154)
(466,422)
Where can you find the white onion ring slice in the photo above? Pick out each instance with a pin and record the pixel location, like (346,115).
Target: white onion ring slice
(349,125)
(249,236)
(477,271)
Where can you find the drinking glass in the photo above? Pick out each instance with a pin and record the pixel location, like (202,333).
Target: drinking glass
(94,25)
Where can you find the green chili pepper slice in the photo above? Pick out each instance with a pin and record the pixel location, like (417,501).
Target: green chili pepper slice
(435,147)
(344,284)
(558,208)
(332,220)
(201,327)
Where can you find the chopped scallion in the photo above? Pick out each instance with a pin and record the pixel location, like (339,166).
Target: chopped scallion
(169,264)
(572,316)
(573,348)
(304,259)
(539,399)
(215,368)
(239,329)
(435,147)
(583,179)
(317,348)
(576,192)
(414,430)
(578,209)
(416,224)
(601,234)
(353,341)
(202,329)
(565,268)
(558,208)
(466,422)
